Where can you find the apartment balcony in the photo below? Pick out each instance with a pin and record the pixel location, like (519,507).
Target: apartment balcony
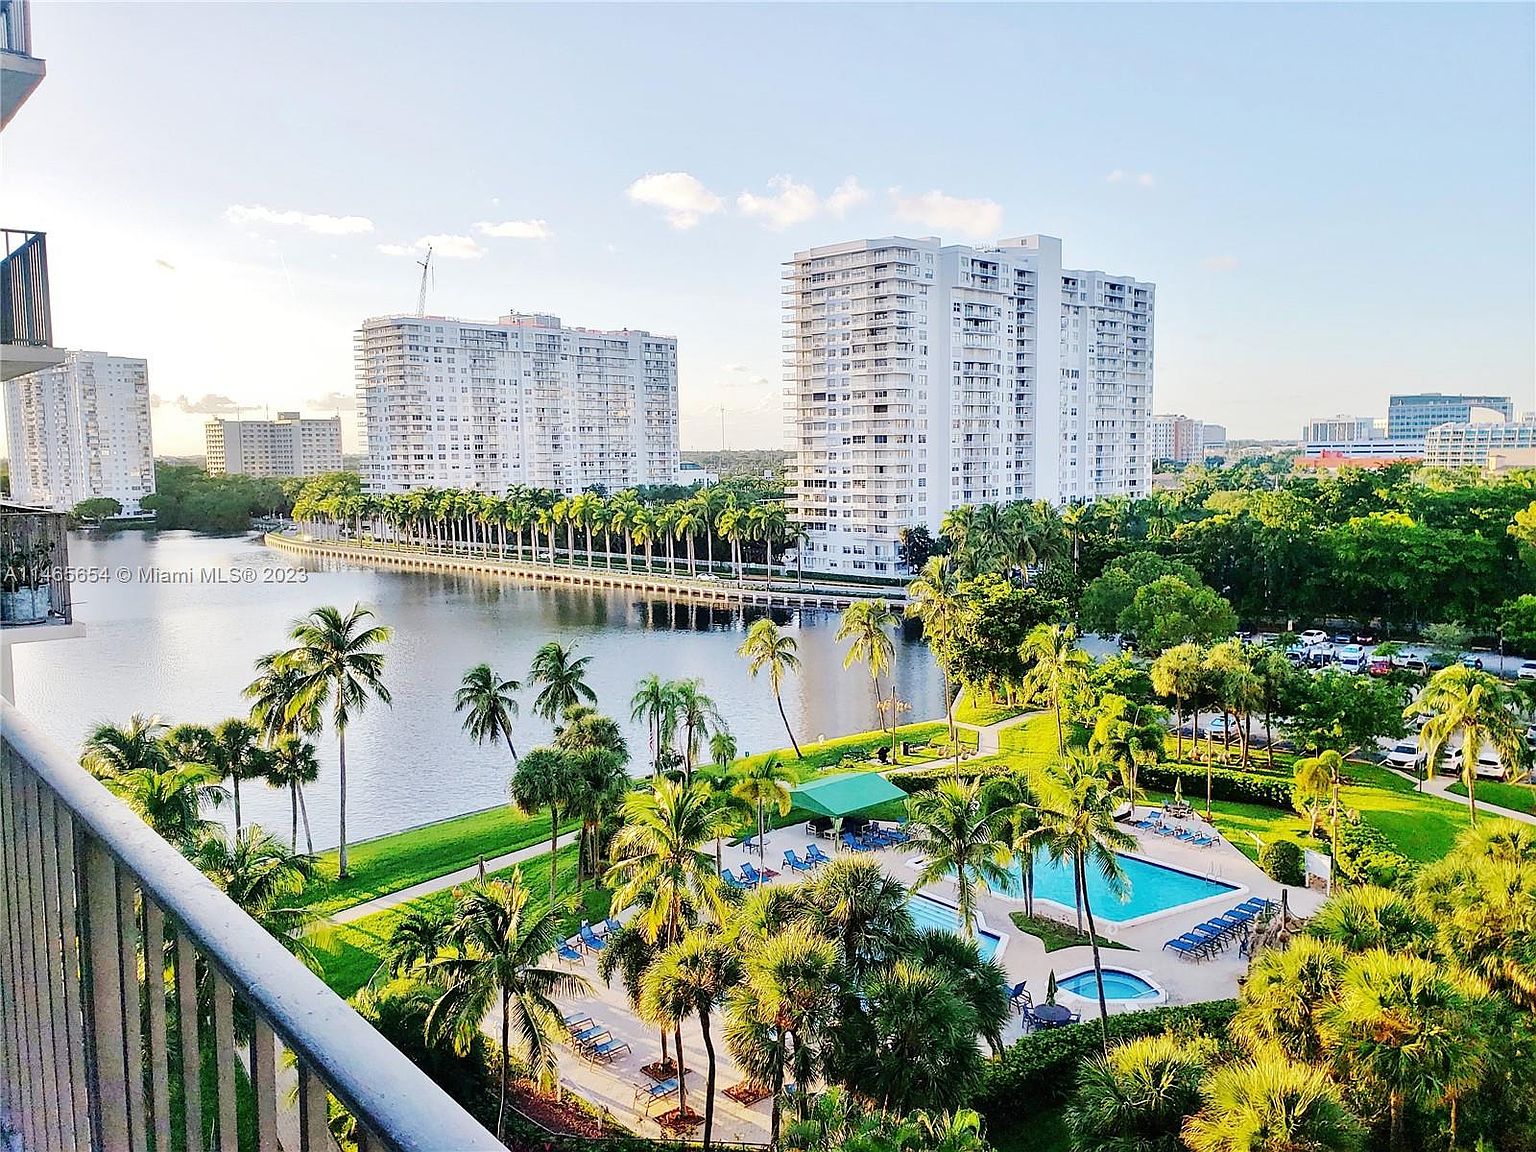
(124,971)
(26,318)
(20,71)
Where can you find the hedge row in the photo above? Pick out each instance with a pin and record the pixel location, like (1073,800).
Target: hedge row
(1039,1070)
(1226,784)
(1366,856)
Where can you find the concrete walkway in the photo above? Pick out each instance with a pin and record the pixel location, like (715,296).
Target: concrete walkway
(451,879)
(1438,785)
(987,742)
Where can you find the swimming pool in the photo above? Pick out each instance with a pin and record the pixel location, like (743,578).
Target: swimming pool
(1118,985)
(1152,888)
(928,913)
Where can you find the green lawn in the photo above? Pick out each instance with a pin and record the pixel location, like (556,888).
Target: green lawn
(1055,935)
(352,952)
(1516,797)
(969,710)
(1034,737)
(389,863)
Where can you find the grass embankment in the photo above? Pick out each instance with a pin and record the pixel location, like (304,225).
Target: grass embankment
(353,952)
(1421,827)
(387,864)
(969,710)
(1515,797)
(1056,935)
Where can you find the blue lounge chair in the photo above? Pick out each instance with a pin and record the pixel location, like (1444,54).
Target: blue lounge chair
(732,883)
(793,862)
(754,877)
(577,1020)
(607,1050)
(1165,830)
(591,1034)
(1256,904)
(1186,945)
(1203,841)
(853,843)
(591,939)
(1144,823)
(610,926)
(816,856)
(648,1094)
(568,953)
(1018,996)
(1241,913)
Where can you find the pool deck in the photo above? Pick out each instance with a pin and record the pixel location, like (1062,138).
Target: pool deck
(1023,956)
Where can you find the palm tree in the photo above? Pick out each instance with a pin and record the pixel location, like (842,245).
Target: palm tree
(341,666)
(695,712)
(279,683)
(862,909)
(546,778)
(1403,1027)
(1125,738)
(866,625)
(779,1017)
(564,676)
(933,597)
(1311,783)
(1057,666)
(598,753)
(237,754)
(1474,704)
(690,519)
(920,1049)
(761,783)
(292,765)
(769,523)
(651,704)
(500,946)
(1076,810)
(1136,1098)
(692,977)
(767,647)
(113,751)
(955,835)
(659,863)
(1271,1105)
(1177,675)
(171,800)
(266,881)
(1284,997)
(489,706)
(417,939)
(1362,917)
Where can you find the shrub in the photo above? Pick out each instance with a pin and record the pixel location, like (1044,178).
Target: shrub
(1040,1068)
(1365,856)
(1282,860)
(1226,784)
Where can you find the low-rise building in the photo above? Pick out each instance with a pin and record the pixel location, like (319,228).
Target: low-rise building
(1469,445)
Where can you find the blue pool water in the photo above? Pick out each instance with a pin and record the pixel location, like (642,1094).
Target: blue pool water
(929,913)
(1118,985)
(1151,888)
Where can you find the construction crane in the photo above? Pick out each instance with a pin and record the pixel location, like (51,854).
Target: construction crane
(421,296)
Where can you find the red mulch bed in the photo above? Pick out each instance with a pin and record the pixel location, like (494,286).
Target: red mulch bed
(747,1094)
(550,1113)
(660,1070)
(677,1122)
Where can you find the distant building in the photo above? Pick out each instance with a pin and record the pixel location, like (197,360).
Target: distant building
(1176,439)
(1215,437)
(79,430)
(1410,417)
(291,445)
(1360,438)
(921,376)
(1470,445)
(695,475)
(522,400)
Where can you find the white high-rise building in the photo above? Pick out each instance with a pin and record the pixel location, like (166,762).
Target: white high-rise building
(291,445)
(921,376)
(1176,438)
(452,404)
(81,429)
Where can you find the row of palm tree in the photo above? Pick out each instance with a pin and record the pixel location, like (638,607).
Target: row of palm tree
(1011,538)
(524,521)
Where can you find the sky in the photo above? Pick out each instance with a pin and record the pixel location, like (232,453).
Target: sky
(1335,202)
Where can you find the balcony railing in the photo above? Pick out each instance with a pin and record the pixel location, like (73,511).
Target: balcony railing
(106,936)
(15,27)
(34,566)
(25,314)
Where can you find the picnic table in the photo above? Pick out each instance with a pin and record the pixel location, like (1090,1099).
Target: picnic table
(1051,1015)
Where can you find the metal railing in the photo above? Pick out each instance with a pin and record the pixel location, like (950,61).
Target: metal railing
(122,966)
(26,316)
(15,27)
(34,566)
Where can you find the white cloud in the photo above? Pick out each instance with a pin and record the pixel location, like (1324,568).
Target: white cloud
(1121,176)
(790,203)
(734,366)
(333,402)
(211,404)
(515,230)
(445,247)
(1223,263)
(316,222)
(680,195)
(945,213)
(1145,180)
(846,195)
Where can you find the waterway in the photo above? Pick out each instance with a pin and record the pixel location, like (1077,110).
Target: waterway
(173,622)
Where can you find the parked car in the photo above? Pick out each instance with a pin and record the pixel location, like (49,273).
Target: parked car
(1450,761)
(1527,671)
(1313,636)
(1219,726)
(1489,765)
(1341,638)
(1411,663)
(1405,754)
(1381,666)
(1472,662)
(1351,658)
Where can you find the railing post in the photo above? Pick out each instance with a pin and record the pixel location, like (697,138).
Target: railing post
(104,1006)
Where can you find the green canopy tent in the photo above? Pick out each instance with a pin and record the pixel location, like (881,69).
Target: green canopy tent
(837,796)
